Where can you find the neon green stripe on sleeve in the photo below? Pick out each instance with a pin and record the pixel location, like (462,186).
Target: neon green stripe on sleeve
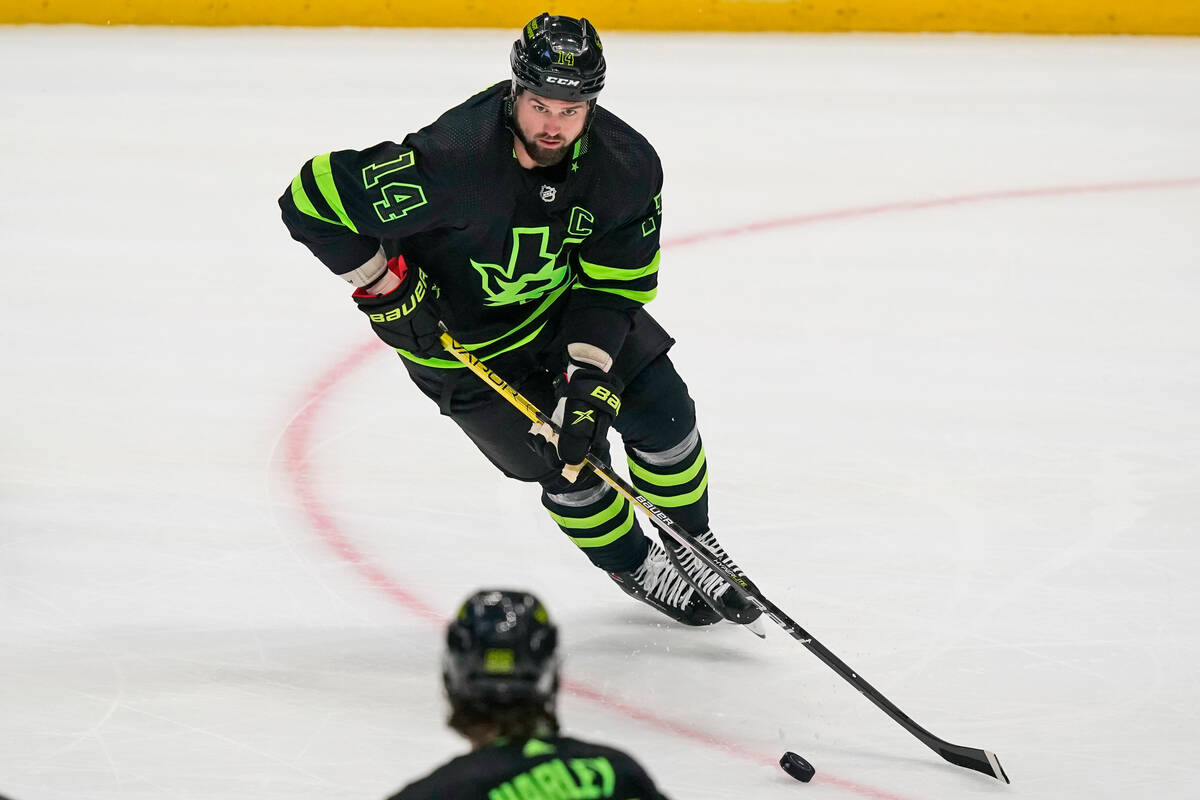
(639,297)
(300,198)
(324,176)
(602,273)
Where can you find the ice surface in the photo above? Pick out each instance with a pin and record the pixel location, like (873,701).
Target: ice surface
(935,296)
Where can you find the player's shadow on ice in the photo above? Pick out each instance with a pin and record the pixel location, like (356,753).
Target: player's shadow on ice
(608,631)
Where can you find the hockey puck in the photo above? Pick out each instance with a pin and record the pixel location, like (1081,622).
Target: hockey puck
(797,767)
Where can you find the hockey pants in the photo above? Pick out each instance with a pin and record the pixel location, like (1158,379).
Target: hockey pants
(657,426)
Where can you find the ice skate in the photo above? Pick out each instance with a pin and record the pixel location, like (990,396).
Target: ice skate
(656,582)
(732,605)
(660,582)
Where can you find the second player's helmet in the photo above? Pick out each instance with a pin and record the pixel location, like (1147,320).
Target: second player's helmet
(560,58)
(501,649)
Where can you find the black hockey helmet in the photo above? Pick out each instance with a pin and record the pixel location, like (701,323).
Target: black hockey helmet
(560,58)
(501,649)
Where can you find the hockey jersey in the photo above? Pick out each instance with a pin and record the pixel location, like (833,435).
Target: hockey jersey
(557,768)
(515,253)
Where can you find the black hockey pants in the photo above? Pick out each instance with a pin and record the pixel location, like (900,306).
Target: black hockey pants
(657,426)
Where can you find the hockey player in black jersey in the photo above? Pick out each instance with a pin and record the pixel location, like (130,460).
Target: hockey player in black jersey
(500,672)
(527,219)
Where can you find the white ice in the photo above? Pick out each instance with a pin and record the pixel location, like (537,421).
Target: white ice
(953,428)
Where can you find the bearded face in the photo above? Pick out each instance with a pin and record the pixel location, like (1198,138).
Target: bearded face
(547,128)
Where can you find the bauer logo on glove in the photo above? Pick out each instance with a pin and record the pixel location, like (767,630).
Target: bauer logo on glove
(406,317)
(409,304)
(603,394)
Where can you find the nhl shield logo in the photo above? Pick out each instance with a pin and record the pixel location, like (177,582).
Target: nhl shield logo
(548,193)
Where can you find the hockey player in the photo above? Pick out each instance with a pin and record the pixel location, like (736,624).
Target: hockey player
(500,672)
(527,219)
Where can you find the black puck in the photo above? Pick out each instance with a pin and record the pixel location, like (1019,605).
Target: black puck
(797,767)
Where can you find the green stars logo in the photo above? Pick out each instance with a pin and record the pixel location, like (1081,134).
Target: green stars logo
(534,267)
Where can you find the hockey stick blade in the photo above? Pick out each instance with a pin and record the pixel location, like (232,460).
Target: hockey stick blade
(984,761)
(969,757)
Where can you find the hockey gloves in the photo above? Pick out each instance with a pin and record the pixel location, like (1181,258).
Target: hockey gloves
(406,317)
(588,399)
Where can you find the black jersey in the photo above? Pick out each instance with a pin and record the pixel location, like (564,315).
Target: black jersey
(557,768)
(514,252)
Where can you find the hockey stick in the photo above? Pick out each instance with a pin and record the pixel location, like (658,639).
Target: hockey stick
(970,757)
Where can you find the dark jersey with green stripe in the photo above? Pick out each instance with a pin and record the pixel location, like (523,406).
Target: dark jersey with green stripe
(516,253)
(557,768)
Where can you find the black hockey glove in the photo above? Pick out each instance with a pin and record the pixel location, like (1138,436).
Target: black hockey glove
(588,399)
(407,316)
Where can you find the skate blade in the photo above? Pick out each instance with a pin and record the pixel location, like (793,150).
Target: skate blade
(756,627)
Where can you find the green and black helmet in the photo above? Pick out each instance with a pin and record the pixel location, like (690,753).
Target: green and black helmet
(501,649)
(560,58)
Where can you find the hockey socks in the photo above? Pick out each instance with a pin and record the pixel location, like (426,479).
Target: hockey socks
(601,523)
(675,480)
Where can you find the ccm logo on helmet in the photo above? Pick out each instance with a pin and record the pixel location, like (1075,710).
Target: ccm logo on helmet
(561,81)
